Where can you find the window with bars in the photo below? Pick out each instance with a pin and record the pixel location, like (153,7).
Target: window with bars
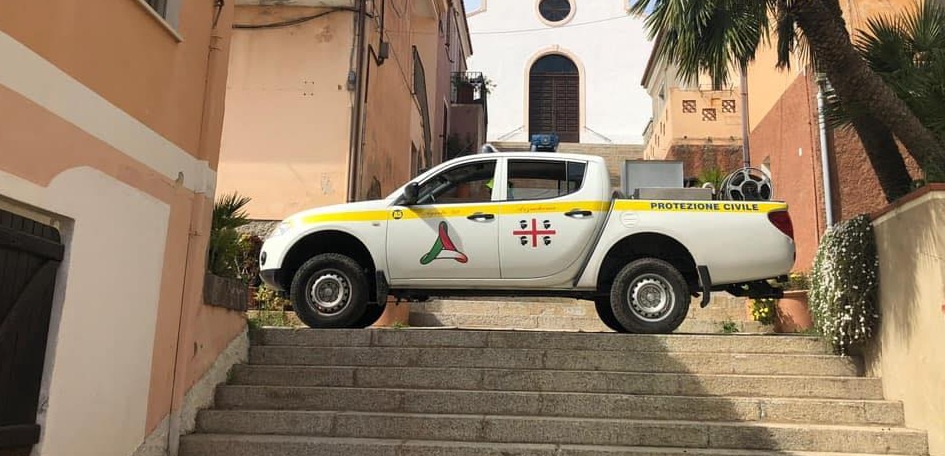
(689,106)
(728,106)
(709,115)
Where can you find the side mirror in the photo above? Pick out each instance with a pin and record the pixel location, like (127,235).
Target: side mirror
(411,192)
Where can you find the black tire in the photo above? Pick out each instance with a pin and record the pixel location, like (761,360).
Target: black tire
(649,296)
(606,314)
(370,316)
(343,288)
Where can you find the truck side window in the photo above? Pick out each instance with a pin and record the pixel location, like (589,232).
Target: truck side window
(538,179)
(469,183)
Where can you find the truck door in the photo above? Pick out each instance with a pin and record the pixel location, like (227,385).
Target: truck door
(452,231)
(548,218)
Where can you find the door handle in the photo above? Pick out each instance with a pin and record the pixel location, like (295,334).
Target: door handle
(480,217)
(578,213)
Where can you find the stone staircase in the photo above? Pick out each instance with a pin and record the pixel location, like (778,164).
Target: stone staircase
(562,314)
(458,393)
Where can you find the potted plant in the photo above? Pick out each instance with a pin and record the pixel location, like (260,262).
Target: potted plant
(793,313)
(763,310)
(222,284)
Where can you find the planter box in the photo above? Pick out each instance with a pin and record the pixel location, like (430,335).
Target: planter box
(224,292)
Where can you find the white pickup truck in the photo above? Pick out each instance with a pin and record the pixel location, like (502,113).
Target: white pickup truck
(527,224)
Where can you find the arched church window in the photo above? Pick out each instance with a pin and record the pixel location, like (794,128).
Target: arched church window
(554,10)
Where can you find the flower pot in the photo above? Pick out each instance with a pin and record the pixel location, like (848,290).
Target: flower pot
(394,314)
(793,312)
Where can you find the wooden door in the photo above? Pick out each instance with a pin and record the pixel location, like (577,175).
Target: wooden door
(554,99)
(30,253)
(554,106)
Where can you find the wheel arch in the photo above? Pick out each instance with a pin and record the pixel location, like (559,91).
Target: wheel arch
(647,245)
(329,241)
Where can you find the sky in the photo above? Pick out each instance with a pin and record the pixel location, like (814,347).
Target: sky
(472,4)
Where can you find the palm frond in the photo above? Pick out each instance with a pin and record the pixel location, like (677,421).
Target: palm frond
(228,211)
(908,53)
(705,36)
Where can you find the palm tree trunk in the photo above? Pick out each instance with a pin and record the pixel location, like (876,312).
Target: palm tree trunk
(857,85)
(884,157)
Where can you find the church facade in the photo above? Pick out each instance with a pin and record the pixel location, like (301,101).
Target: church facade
(568,67)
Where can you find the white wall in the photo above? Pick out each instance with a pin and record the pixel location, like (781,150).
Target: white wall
(610,46)
(98,368)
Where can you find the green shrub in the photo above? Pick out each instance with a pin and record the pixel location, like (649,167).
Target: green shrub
(844,284)
(223,249)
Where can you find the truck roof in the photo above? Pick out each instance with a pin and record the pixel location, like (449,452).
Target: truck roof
(528,154)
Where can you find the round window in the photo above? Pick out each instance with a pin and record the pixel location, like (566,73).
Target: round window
(554,10)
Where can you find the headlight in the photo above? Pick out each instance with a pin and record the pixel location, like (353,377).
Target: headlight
(283,228)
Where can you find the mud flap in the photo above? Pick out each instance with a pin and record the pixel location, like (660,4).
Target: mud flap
(706,281)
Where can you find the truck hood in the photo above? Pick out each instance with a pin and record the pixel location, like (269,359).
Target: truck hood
(313,215)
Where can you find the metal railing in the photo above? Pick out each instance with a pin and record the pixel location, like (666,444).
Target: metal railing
(468,88)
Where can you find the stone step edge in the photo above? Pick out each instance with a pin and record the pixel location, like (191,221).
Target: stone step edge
(668,353)
(275,439)
(443,328)
(900,430)
(592,393)
(258,337)
(566,371)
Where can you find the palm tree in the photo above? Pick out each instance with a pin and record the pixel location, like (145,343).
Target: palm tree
(714,35)
(223,245)
(908,53)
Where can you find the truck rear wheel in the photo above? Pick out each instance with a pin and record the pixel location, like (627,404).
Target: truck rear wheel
(649,296)
(330,291)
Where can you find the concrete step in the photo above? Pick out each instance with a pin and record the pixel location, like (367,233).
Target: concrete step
(684,384)
(580,431)
(612,342)
(555,404)
(573,323)
(568,315)
(679,362)
(271,445)
(721,306)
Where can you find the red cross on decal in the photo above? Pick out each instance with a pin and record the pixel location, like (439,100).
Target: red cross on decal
(535,232)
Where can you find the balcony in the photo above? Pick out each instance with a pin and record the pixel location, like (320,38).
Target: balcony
(468,88)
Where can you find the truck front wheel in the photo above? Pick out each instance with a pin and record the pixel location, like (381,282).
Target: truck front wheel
(606,314)
(330,291)
(649,296)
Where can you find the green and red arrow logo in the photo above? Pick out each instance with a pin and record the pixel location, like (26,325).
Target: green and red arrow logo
(443,248)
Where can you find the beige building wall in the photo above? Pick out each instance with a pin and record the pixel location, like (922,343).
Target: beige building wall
(691,122)
(293,100)
(111,132)
(286,135)
(907,350)
(695,117)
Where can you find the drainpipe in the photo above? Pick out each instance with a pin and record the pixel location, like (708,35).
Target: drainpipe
(746,151)
(354,151)
(824,163)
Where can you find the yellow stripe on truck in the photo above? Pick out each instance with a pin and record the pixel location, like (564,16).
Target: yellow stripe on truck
(531,208)
(699,206)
